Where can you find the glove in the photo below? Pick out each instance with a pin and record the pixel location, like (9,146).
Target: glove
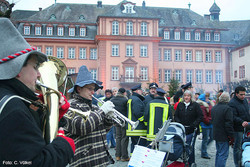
(64,106)
(69,140)
(107,107)
(231,141)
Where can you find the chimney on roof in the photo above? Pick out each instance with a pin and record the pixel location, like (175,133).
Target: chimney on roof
(40,9)
(99,4)
(189,5)
(143,4)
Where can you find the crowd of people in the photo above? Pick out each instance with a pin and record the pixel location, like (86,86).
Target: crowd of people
(90,125)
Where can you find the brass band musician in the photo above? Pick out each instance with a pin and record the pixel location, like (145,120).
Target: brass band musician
(21,139)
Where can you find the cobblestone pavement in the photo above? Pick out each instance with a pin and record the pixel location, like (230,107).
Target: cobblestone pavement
(199,161)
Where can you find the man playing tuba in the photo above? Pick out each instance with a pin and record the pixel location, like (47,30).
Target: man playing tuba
(21,139)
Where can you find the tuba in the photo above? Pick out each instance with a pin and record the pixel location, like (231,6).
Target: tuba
(53,74)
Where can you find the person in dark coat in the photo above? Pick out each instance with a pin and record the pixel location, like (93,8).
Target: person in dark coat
(189,114)
(223,132)
(21,127)
(136,112)
(152,91)
(157,111)
(120,102)
(241,114)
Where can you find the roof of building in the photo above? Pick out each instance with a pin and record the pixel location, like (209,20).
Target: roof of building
(88,15)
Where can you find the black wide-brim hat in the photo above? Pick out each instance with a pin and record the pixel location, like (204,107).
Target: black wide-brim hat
(84,77)
(14,50)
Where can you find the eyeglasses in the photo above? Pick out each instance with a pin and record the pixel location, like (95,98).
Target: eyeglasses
(35,66)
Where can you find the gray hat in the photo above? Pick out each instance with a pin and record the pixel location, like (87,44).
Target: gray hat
(84,77)
(14,50)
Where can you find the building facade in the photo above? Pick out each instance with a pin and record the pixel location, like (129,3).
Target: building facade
(125,44)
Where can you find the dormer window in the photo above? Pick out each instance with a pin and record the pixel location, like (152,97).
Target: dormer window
(26,30)
(52,17)
(81,17)
(129,8)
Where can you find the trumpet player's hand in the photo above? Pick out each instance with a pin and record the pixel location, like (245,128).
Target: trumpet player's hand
(63,106)
(107,107)
(69,140)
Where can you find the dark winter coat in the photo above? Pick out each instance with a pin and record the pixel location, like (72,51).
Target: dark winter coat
(120,102)
(21,135)
(136,113)
(148,98)
(89,133)
(222,119)
(240,112)
(190,117)
(154,116)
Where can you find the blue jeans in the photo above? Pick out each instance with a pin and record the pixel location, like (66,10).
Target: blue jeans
(207,138)
(110,137)
(237,148)
(222,151)
(191,152)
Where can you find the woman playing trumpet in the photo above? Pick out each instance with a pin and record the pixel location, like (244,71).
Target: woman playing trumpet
(88,133)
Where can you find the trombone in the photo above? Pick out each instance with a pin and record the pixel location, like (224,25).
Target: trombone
(118,117)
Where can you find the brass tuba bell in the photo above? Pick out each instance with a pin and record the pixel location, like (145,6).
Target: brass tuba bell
(53,74)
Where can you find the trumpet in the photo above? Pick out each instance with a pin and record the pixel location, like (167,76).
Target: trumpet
(119,118)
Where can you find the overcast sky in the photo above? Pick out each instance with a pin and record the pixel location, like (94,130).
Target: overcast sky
(230,9)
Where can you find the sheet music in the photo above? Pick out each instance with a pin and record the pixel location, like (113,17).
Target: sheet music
(145,157)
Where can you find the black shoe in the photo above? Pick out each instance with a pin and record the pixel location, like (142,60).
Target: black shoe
(207,157)
(112,146)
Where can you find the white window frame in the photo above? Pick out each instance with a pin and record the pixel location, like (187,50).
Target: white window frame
(129,28)
(26,30)
(218,56)
(49,51)
(115,50)
(166,34)
(167,55)
(60,31)
(39,48)
(93,73)
(160,75)
(198,56)
(178,55)
(82,53)
(208,56)
(218,77)
(60,52)
(187,35)
(144,29)
(189,76)
(209,76)
(115,28)
(178,75)
(198,76)
(197,36)
(167,75)
(189,55)
(216,36)
(129,50)
(71,53)
(207,36)
(115,73)
(38,30)
(71,70)
(49,31)
(72,31)
(93,54)
(143,51)
(144,73)
(177,35)
(82,32)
